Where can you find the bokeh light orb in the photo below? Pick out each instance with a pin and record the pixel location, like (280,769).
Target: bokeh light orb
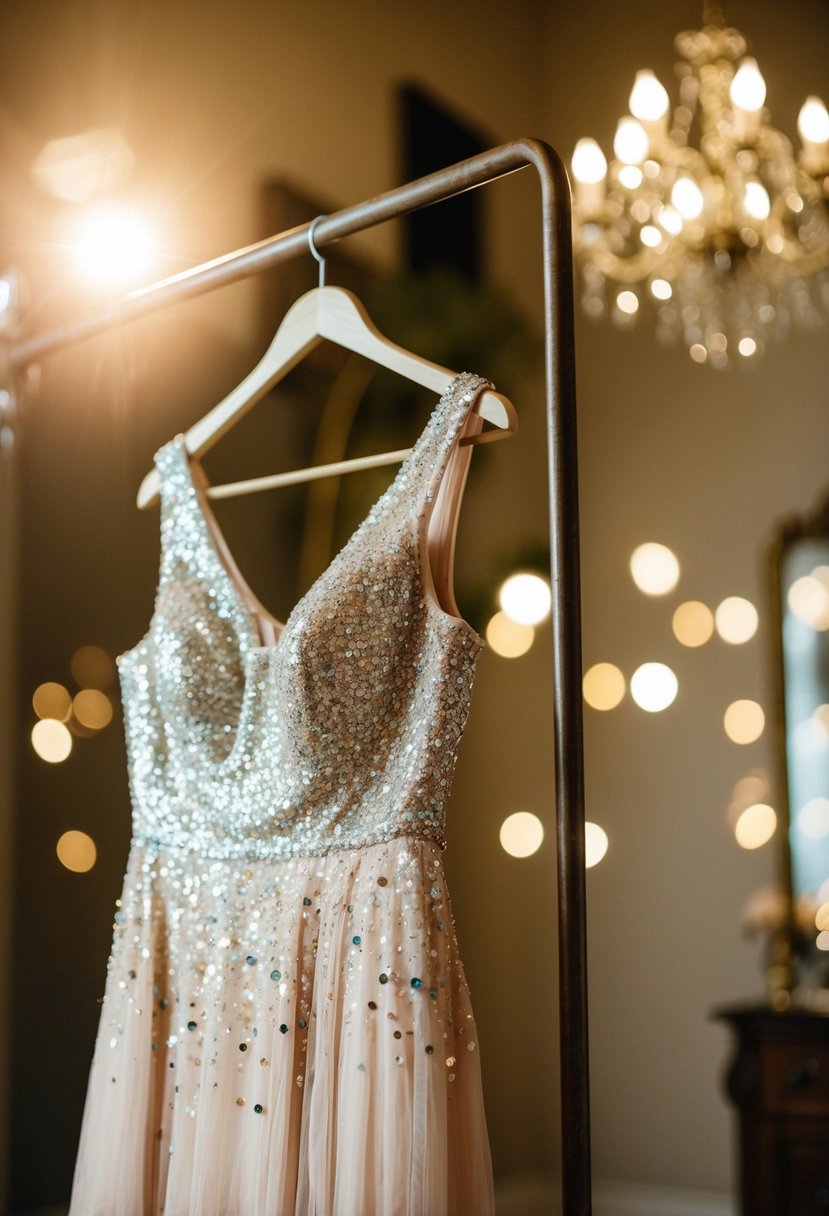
(521,834)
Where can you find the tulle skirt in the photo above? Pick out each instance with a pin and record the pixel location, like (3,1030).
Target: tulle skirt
(285,1038)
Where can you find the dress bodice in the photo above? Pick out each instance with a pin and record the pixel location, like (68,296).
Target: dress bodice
(344,731)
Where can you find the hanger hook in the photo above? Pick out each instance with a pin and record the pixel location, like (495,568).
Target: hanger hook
(313,247)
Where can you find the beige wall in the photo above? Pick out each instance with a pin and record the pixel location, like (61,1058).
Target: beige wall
(213,100)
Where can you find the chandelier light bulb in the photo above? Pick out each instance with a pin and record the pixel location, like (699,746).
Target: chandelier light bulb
(687,198)
(630,143)
(748,88)
(756,201)
(588,164)
(648,98)
(813,121)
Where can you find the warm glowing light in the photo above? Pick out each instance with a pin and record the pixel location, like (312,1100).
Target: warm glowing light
(526,598)
(671,220)
(698,352)
(756,201)
(648,98)
(813,121)
(693,623)
(595,844)
(661,289)
(813,819)
(51,740)
(630,176)
(588,163)
(808,599)
(748,88)
(92,667)
(736,620)
(77,167)
(76,851)
(822,940)
(744,721)
(650,236)
(655,568)
(653,687)
(755,826)
(752,788)
(603,686)
(521,834)
(507,638)
(746,347)
(630,143)
(115,244)
(627,302)
(687,198)
(92,708)
(822,917)
(52,700)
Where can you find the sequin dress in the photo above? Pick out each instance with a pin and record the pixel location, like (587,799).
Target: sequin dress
(286,1027)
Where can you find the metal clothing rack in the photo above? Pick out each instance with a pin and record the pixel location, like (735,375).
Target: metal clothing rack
(564,537)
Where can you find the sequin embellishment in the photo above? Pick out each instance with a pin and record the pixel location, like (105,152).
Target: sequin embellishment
(284,919)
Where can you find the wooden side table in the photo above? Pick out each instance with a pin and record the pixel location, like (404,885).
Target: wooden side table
(779,1082)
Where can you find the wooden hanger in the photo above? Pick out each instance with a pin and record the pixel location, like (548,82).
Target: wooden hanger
(334,314)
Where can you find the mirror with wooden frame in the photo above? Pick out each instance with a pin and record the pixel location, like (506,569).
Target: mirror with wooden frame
(799,570)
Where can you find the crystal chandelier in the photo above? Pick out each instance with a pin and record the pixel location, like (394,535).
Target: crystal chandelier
(707,212)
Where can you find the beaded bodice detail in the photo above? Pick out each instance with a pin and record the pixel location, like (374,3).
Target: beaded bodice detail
(345,731)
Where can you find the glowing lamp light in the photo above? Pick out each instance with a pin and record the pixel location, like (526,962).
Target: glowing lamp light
(525,598)
(813,121)
(114,245)
(747,347)
(748,88)
(603,686)
(687,198)
(756,201)
(630,143)
(588,162)
(655,569)
(808,598)
(627,302)
(595,844)
(51,740)
(661,289)
(653,687)
(756,826)
(507,638)
(521,834)
(92,708)
(51,700)
(630,176)
(736,620)
(744,721)
(649,99)
(693,623)
(670,219)
(76,850)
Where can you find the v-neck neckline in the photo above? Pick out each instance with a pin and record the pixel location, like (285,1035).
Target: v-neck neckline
(251,606)
(249,602)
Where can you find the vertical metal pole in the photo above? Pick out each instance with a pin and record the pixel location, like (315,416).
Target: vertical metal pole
(567,675)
